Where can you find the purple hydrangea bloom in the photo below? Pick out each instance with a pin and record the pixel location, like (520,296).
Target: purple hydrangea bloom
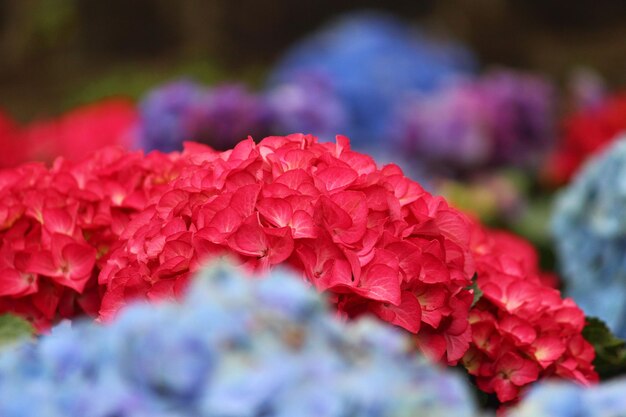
(163,115)
(219,116)
(227,114)
(446,129)
(523,113)
(235,347)
(502,118)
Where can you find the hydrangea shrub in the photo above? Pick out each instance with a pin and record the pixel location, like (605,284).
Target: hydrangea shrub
(371,237)
(58,224)
(522,329)
(91,237)
(235,346)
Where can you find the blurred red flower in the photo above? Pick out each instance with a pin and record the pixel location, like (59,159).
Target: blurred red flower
(74,135)
(583,134)
(78,133)
(11,154)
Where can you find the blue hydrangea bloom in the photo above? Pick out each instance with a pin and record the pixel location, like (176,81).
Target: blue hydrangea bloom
(568,400)
(370,60)
(235,347)
(219,116)
(589,226)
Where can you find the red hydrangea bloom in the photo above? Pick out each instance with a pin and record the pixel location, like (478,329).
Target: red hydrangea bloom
(57,225)
(522,329)
(585,133)
(80,132)
(370,238)
(11,154)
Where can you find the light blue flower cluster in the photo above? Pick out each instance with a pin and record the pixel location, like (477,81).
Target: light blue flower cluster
(589,226)
(370,61)
(568,400)
(235,347)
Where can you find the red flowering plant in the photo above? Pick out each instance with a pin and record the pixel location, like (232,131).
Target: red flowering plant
(370,238)
(584,133)
(81,131)
(57,224)
(522,330)
(90,237)
(11,154)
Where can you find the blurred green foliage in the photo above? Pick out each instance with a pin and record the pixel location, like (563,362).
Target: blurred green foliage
(134,80)
(610,350)
(13,329)
(53,19)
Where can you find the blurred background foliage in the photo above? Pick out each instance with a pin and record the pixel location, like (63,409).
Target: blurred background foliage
(55,54)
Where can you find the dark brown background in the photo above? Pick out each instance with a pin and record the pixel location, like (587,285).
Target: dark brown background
(54,49)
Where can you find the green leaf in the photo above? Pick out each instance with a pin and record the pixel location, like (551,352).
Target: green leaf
(475,290)
(597,332)
(610,350)
(13,328)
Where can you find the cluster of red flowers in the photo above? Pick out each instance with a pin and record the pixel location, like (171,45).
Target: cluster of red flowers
(74,135)
(11,154)
(88,237)
(372,239)
(522,330)
(57,225)
(585,133)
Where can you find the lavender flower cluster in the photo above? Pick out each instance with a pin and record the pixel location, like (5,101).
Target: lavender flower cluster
(501,118)
(236,347)
(183,110)
(222,115)
(344,79)
(589,227)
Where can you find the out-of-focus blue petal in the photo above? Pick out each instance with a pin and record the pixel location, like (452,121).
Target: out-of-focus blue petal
(371,60)
(589,227)
(568,400)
